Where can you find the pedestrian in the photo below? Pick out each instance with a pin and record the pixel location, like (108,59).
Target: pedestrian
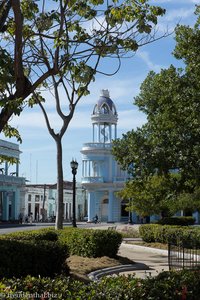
(31,218)
(96,219)
(20,218)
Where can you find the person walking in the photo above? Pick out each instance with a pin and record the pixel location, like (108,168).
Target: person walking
(96,219)
(31,218)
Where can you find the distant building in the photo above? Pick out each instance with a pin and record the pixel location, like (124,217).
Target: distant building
(40,200)
(11,185)
(102,177)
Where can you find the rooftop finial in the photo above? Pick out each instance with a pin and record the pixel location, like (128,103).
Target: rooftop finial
(105,93)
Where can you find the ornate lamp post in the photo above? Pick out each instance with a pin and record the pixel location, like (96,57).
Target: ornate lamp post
(74,166)
(129,214)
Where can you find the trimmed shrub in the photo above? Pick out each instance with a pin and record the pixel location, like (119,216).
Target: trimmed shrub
(91,243)
(20,258)
(147,232)
(185,236)
(166,286)
(180,221)
(36,235)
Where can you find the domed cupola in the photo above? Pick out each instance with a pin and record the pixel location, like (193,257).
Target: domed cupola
(104,119)
(105,105)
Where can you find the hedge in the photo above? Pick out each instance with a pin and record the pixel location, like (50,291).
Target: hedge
(20,258)
(186,236)
(166,286)
(180,221)
(91,243)
(47,234)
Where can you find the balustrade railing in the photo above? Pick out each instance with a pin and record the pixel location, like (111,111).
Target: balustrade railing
(92,179)
(98,145)
(11,179)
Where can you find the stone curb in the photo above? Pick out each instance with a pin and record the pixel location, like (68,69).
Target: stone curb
(145,249)
(96,275)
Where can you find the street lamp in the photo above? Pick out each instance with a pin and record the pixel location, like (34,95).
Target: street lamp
(74,166)
(129,213)
(129,203)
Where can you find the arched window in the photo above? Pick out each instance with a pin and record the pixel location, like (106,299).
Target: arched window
(105,201)
(105,109)
(95,111)
(114,110)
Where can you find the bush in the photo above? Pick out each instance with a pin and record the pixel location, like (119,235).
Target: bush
(180,221)
(36,235)
(20,258)
(185,236)
(91,243)
(166,286)
(147,232)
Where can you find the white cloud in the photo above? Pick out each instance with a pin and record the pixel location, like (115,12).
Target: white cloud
(35,120)
(130,119)
(178,15)
(144,55)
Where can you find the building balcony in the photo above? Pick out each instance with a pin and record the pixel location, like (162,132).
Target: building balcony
(119,179)
(92,179)
(11,180)
(103,146)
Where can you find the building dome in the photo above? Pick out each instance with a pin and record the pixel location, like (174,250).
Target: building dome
(105,105)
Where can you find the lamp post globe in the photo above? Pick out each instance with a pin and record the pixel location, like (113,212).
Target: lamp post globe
(74,167)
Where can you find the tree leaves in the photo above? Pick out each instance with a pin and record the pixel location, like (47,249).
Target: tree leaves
(170,140)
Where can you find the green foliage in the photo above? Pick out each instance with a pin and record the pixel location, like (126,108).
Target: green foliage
(169,141)
(91,243)
(147,232)
(166,286)
(189,201)
(10,131)
(36,235)
(177,235)
(6,70)
(181,221)
(54,44)
(21,257)
(154,194)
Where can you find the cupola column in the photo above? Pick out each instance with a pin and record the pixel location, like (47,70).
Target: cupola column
(110,207)
(115,131)
(91,206)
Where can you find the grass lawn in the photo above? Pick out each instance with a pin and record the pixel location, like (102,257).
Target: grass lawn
(81,266)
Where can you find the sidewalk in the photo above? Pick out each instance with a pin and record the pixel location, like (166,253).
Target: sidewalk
(148,262)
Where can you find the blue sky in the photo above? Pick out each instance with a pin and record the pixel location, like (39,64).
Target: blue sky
(38,158)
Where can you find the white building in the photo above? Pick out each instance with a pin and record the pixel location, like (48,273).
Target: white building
(41,199)
(11,185)
(102,177)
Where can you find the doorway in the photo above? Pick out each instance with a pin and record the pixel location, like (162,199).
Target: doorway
(104,210)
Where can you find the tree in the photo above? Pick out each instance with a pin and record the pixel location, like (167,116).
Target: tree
(54,44)
(170,138)
(189,202)
(150,195)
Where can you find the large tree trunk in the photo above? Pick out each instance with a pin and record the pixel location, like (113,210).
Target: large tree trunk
(59,208)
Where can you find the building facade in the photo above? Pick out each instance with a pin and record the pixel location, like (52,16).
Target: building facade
(40,201)
(11,185)
(102,177)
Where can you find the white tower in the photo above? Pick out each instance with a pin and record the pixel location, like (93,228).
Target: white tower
(101,176)
(104,119)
